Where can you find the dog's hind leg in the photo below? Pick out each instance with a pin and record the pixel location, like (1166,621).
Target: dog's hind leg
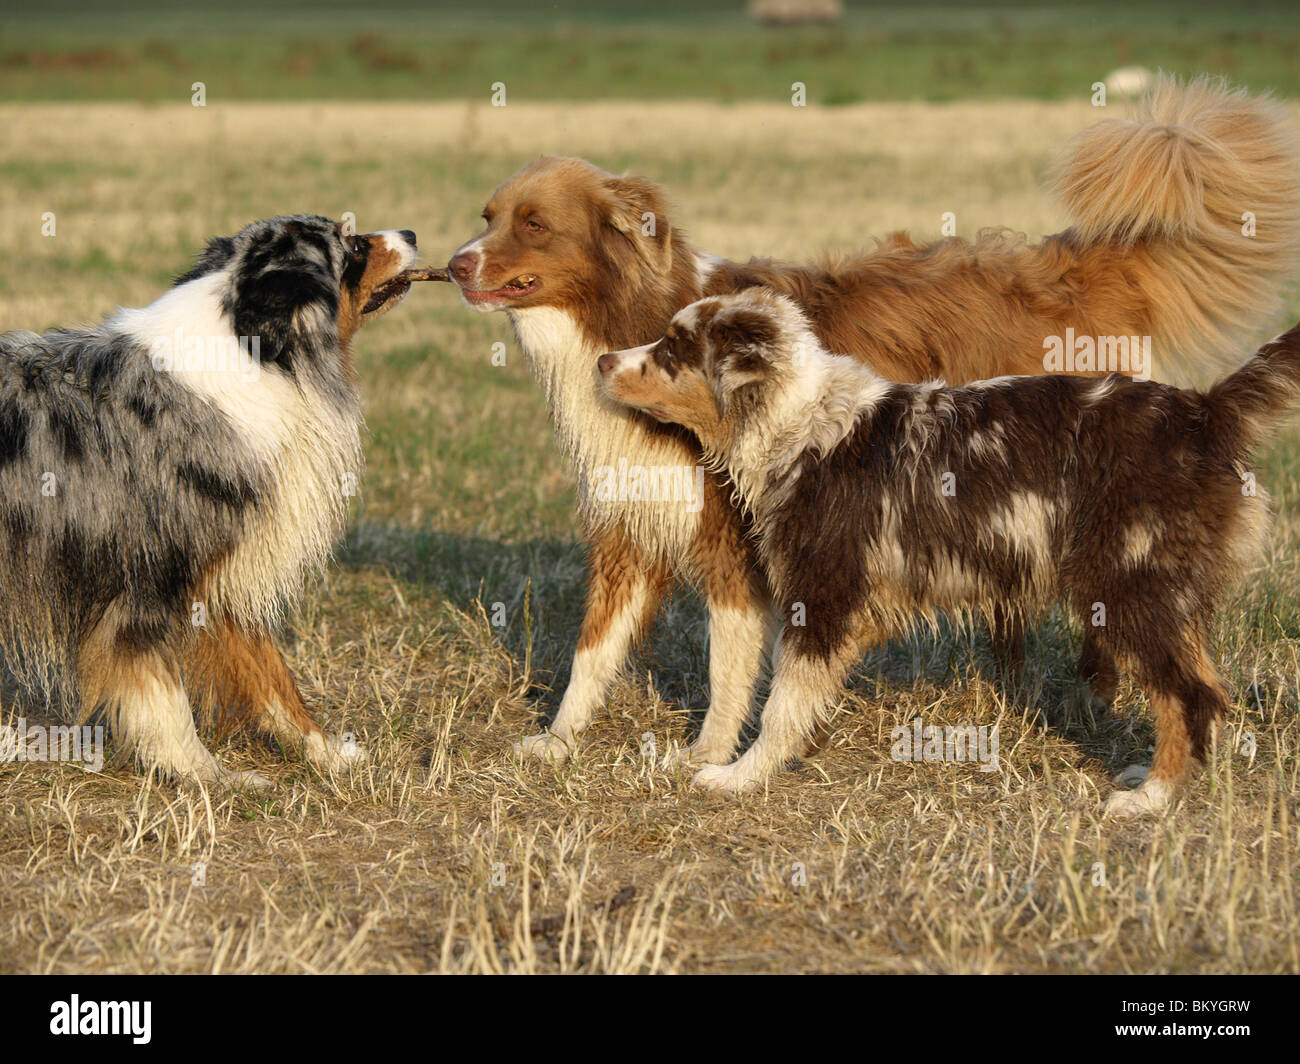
(148,711)
(804,690)
(623,597)
(242,676)
(1187,697)
(1098,670)
(1007,635)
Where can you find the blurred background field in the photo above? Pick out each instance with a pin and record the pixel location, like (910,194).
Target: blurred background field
(587,50)
(136,190)
(465,503)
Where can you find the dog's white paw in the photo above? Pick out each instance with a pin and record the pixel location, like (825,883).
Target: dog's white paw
(1150,799)
(545,747)
(253,782)
(726,779)
(693,756)
(332,753)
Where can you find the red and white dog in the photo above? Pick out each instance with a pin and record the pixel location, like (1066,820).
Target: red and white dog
(877,505)
(585,262)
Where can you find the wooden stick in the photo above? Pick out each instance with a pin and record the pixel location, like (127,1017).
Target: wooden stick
(427,273)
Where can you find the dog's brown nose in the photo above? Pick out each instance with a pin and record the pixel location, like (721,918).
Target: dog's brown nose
(606,363)
(462,266)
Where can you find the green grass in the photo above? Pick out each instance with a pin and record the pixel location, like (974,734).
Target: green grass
(73,50)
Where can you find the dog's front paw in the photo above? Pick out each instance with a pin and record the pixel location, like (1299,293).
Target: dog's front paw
(333,753)
(545,747)
(693,756)
(727,779)
(252,782)
(1151,798)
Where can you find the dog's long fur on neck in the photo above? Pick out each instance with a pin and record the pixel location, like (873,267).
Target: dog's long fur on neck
(877,504)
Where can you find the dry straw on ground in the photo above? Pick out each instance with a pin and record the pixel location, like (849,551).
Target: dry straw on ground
(444,855)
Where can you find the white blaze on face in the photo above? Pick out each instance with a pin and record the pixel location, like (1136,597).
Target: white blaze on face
(393,240)
(474,248)
(631,360)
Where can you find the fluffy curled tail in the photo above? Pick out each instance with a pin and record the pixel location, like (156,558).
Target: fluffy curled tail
(1244,406)
(1203,187)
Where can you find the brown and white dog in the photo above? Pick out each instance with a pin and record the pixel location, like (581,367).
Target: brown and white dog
(877,504)
(584,262)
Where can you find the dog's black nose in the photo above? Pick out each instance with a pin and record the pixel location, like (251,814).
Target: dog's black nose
(606,363)
(407,235)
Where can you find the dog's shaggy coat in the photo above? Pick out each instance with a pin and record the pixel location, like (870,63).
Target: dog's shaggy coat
(876,504)
(168,478)
(585,263)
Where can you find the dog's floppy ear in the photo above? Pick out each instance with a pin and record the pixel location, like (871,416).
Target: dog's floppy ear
(635,208)
(742,347)
(281,305)
(213,257)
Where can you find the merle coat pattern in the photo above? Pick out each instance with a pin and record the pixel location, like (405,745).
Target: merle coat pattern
(163,493)
(878,504)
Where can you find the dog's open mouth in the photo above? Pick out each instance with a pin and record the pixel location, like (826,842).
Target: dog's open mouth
(523,285)
(386,296)
(392,292)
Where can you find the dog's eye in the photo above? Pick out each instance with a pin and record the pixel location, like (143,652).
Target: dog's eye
(534,226)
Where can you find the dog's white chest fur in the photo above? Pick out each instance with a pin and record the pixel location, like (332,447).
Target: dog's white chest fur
(311,448)
(626,476)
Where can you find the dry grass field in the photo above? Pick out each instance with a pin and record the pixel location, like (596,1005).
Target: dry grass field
(442,854)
